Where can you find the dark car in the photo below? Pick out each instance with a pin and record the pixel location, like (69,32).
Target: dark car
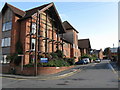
(81,62)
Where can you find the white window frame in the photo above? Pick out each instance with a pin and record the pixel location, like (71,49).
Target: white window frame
(33,28)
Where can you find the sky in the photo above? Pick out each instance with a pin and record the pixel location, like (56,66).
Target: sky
(97,21)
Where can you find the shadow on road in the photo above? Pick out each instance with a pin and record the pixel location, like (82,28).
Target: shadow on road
(99,66)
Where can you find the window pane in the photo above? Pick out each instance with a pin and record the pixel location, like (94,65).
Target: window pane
(9,41)
(5,42)
(8,25)
(3,29)
(2,44)
(33,28)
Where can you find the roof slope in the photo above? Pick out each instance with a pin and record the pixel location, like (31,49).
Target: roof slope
(14,9)
(29,13)
(68,26)
(34,10)
(84,43)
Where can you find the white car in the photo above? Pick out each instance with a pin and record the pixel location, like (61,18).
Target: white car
(87,60)
(97,60)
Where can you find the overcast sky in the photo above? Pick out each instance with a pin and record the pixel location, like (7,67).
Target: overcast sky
(97,21)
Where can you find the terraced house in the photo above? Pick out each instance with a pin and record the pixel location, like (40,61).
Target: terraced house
(36,31)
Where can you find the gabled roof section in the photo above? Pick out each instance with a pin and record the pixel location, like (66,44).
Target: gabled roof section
(84,43)
(30,12)
(68,26)
(14,9)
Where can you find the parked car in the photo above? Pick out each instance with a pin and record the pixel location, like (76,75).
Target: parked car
(81,62)
(97,60)
(87,60)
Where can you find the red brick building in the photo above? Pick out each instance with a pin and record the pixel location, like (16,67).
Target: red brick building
(40,31)
(98,53)
(71,35)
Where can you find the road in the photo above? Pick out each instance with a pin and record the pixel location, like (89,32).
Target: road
(94,75)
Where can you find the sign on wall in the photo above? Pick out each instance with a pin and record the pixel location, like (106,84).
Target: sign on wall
(43,60)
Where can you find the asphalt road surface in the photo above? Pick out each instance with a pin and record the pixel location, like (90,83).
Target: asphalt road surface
(94,75)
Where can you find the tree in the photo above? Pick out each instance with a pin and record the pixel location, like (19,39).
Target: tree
(107,52)
(14,58)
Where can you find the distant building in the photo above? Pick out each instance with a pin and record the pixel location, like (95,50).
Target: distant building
(71,36)
(84,46)
(98,53)
(114,53)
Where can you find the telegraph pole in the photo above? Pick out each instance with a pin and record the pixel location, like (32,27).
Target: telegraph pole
(36,44)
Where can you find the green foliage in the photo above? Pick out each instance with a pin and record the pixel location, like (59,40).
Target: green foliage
(59,53)
(29,65)
(93,58)
(71,61)
(14,57)
(9,58)
(85,56)
(54,55)
(55,63)
(40,56)
(106,51)
(19,48)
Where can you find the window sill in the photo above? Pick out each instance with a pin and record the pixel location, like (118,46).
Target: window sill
(5,46)
(7,30)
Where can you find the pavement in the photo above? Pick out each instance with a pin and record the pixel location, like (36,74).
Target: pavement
(62,74)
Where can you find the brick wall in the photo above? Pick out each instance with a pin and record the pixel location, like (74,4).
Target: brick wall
(31,70)
(14,33)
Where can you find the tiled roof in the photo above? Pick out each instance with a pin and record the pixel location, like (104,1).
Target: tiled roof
(84,43)
(34,10)
(14,9)
(68,26)
(29,13)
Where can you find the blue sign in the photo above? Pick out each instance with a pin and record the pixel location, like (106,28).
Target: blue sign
(43,60)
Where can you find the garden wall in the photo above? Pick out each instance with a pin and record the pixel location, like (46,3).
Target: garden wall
(40,70)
